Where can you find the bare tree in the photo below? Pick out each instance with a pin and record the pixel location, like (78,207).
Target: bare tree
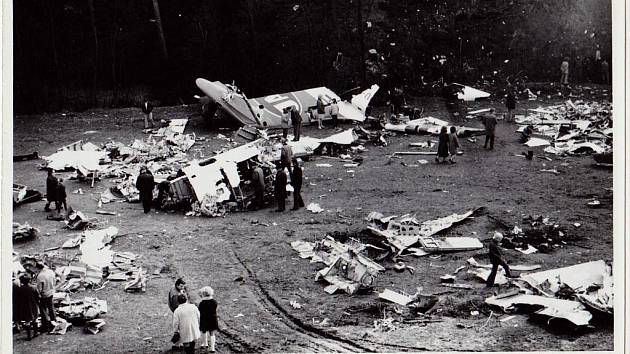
(158,24)
(95,53)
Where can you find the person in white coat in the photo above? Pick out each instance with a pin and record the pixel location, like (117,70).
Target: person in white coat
(186,323)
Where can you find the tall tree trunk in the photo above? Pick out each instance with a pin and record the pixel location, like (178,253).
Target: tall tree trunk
(115,32)
(360,28)
(158,24)
(55,58)
(95,53)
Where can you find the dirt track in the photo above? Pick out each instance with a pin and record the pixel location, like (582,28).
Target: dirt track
(255,272)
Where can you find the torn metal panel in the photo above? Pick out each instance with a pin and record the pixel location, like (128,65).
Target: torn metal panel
(94,249)
(518,267)
(84,161)
(572,311)
(450,244)
(470,94)
(577,277)
(349,273)
(346,137)
(395,297)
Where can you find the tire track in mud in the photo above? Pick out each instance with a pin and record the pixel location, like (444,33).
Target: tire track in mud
(316,339)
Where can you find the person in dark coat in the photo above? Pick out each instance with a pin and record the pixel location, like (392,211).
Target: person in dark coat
(490,123)
(496,258)
(296,121)
(510,104)
(442,146)
(281,188)
(25,305)
(321,110)
(147,109)
(208,322)
(258,181)
(51,189)
(145,184)
(453,144)
(61,196)
(296,182)
(178,289)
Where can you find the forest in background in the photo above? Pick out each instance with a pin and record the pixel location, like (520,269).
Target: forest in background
(80,54)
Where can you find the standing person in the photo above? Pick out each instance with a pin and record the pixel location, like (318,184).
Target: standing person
(51,189)
(46,288)
(284,122)
(296,121)
(178,289)
(281,188)
(494,252)
(208,323)
(145,184)
(334,112)
(25,299)
(186,323)
(453,145)
(490,123)
(61,196)
(442,146)
(147,109)
(510,104)
(286,155)
(564,71)
(258,181)
(605,72)
(321,110)
(296,181)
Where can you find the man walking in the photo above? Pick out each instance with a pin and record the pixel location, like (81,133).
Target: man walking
(281,189)
(296,121)
(296,182)
(490,123)
(494,252)
(145,184)
(46,288)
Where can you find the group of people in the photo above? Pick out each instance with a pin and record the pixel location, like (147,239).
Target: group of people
(31,301)
(600,70)
(192,324)
(55,192)
(447,145)
(291,117)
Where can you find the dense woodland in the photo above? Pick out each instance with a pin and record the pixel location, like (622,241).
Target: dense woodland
(79,54)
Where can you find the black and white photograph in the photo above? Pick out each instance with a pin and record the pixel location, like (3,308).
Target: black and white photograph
(274,176)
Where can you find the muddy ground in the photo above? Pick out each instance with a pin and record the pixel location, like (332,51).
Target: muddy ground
(256,273)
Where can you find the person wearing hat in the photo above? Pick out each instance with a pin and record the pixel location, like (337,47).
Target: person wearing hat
(496,258)
(25,299)
(296,182)
(145,184)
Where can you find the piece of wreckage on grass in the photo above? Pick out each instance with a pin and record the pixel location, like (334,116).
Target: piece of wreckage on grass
(573,294)
(430,126)
(351,266)
(222,183)
(570,129)
(266,112)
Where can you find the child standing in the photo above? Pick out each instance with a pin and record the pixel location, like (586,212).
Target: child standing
(453,144)
(208,323)
(442,146)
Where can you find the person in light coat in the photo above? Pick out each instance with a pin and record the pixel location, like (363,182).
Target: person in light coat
(186,322)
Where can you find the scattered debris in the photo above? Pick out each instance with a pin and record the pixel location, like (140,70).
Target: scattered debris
(314,208)
(24,232)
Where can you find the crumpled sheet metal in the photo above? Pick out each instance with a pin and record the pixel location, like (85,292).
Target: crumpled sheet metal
(84,161)
(572,311)
(602,299)
(94,248)
(578,277)
(470,94)
(348,273)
